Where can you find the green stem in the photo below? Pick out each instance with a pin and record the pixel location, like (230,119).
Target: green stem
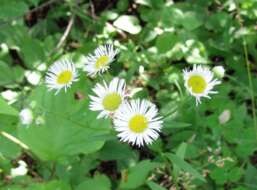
(250,85)
(247,62)
(182,103)
(53,170)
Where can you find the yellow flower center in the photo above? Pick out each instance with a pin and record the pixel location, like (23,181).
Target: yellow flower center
(197,84)
(138,123)
(112,101)
(102,61)
(64,77)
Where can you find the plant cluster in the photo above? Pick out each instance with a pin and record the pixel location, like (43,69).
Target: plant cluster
(128,94)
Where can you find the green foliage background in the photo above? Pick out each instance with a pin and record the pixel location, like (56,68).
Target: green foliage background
(157,39)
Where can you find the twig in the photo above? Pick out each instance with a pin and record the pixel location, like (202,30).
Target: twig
(95,17)
(92,8)
(66,33)
(29,12)
(14,139)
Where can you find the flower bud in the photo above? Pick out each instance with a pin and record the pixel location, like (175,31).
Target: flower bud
(219,71)
(26,116)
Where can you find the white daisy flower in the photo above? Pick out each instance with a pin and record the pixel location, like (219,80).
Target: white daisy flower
(100,61)
(109,97)
(199,82)
(61,75)
(137,122)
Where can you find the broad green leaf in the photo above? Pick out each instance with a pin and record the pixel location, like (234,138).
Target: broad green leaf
(191,20)
(218,21)
(99,182)
(251,176)
(128,23)
(6,74)
(114,150)
(219,175)
(155,186)
(69,127)
(6,109)
(122,5)
(32,52)
(34,2)
(53,185)
(8,149)
(183,165)
(137,175)
(10,75)
(11,9)
(60,138)
(166,41)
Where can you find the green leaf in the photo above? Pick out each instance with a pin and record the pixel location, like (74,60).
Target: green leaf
(166,41)
(114,150)
(169,124)
(10,75)
(235,174)
(155,186)
(8,148)
(181,151)
(191,20)
(122,5)
(251,176)
(137,175)
(69,127)
(53,185)
(99,182)
(6,74)
(32,52)
(6,109)
(128,23)
(180,163)
(12,9)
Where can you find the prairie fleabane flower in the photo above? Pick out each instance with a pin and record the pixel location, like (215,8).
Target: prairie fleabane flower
(199,82)
(61,75)
(100,60)
(109,97)
(137,122)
